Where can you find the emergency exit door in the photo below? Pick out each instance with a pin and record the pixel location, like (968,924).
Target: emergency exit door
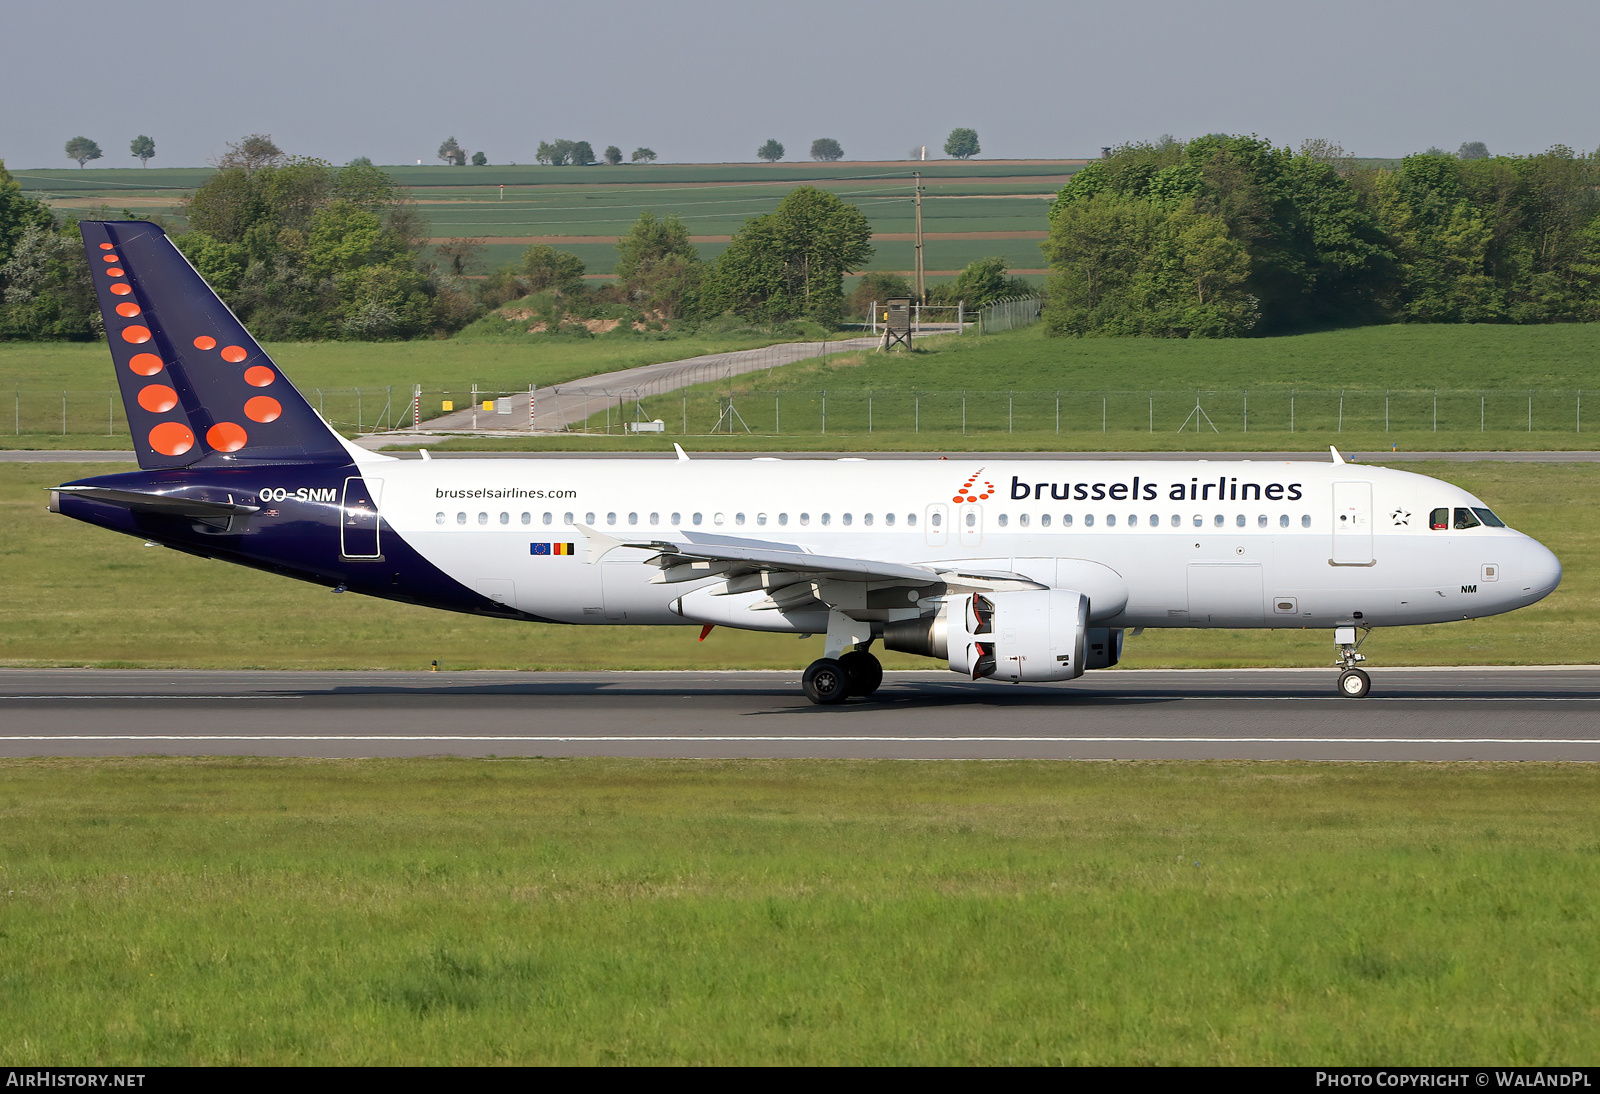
(358,518)
(1352,524)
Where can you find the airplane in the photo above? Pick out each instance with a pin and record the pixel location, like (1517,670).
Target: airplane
(1005,570)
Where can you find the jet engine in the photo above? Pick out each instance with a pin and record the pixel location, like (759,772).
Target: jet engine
(1037,634)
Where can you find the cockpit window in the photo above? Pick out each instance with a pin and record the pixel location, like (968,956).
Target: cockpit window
(1439,518)
(1488,518)
(1465,519)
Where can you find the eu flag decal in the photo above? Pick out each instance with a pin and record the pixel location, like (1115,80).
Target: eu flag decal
(552,548)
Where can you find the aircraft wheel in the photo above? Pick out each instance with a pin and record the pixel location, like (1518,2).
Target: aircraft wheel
(1354,684)
(866,672)
(826,682)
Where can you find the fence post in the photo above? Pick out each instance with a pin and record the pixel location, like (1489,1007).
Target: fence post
(869,410)
(1152,412)
(685,412)
(1436,410)
(109,415)
(916,412)
(1058,411)
(824,411)
(18,408)
(1247,411)
(1580,410)
(1481,398)
(1291,410)
(963,413)
(63,413)
(1340,428)
(1102,413)
(1011,420)
(1530,411)
(777,408)
(1386,410)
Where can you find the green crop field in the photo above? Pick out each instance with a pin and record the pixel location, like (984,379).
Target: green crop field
(79,595)
(239,911)
(583,209)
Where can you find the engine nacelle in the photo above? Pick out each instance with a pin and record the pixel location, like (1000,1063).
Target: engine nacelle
(1039,634)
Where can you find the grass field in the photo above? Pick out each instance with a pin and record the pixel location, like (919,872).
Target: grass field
(646,912)
(583,209)
(78,595)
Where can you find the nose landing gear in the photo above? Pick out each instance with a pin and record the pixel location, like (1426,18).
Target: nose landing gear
(1353,682)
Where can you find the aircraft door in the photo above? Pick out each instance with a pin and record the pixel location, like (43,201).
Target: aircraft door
(936,525)
(1352,524)
(969,524)
(358,518)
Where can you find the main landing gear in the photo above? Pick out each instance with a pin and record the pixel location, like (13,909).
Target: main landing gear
(829,681)
(1353,682)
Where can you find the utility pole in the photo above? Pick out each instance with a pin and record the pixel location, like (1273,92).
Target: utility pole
(922,288)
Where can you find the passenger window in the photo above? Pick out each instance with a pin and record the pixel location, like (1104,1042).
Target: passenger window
(1465,519)
(1283,520)
(717,518)
(1488,518)
(867,520)
(827,518)
(505,518)
(1305,520)
(1111,520)
(548,517)
(761,518)
(1177,521)
(972,519)
(847,518)
(696,518)
(1133,520)
(938,519)
(483,518)
(911,520)
(1003,520)
(1023,520)
(633,518)
(1066,520)
(527,518)
(783,518)
(1088,520)
(655,518)
(1044,520)
(566,518)
(805,518)
(1439,519)
(1199,521)
(677,518)
(1261,521)
(1219,520)
(588,518)
(1155,520)
(461,518)
(888,519)
(1239,521)
(439,518)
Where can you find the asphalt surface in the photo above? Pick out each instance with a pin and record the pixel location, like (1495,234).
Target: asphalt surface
(1412,714)
(1319,456)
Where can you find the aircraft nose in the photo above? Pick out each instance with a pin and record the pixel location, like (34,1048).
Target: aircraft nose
(1539,570)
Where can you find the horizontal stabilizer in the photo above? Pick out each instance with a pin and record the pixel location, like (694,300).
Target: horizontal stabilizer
(155,503)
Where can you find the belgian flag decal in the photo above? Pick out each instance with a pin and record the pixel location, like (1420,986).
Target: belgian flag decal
(552,548)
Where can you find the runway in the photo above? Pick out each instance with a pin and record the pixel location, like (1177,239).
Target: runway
(1412,714)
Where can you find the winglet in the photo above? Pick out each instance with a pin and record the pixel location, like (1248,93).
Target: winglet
(1336,457)
(683,457)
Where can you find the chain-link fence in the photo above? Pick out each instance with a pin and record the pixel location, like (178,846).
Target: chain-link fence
(1290,410)
(1009,314)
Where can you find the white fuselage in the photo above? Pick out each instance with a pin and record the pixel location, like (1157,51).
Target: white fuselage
(1154,543)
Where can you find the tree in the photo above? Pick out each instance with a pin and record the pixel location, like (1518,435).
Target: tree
(582,153)
(479,159)
(643,155)
(613,155)
(792,261)
(544,267)
(251,154)
(83,150)
(452,153)
(962,144)
(877,285)
(459,256)
(143,149)
(565,152)
(827,149)
(982,282)
(1472,150)
(772,151)
(360,161)
(657,266)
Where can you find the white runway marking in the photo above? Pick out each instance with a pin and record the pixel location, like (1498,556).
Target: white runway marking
(797,739)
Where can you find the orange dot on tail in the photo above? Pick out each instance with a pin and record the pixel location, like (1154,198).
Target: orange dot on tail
(204,342)
(259,376)
(128,309)
(136,334)
(121,290)
(146,364)
(956,500)
(263,408)
(235,354)
(171,438)
(158,398)
(226,437)
(105,246)
(110,258)
(114,272)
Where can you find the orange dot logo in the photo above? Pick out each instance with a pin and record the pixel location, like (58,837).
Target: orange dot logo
(146,364)
(105,246)
(259,376)
(234,354)
(128,309)
(110,258)
(136,334)
(204,342)
(121,290)
(158,398)
(114,272)
(171,438)
(226,437)
(263,408)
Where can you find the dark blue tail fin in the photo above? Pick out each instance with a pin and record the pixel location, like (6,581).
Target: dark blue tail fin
(195,385)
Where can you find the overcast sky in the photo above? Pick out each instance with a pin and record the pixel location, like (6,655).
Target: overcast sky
(707,80)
